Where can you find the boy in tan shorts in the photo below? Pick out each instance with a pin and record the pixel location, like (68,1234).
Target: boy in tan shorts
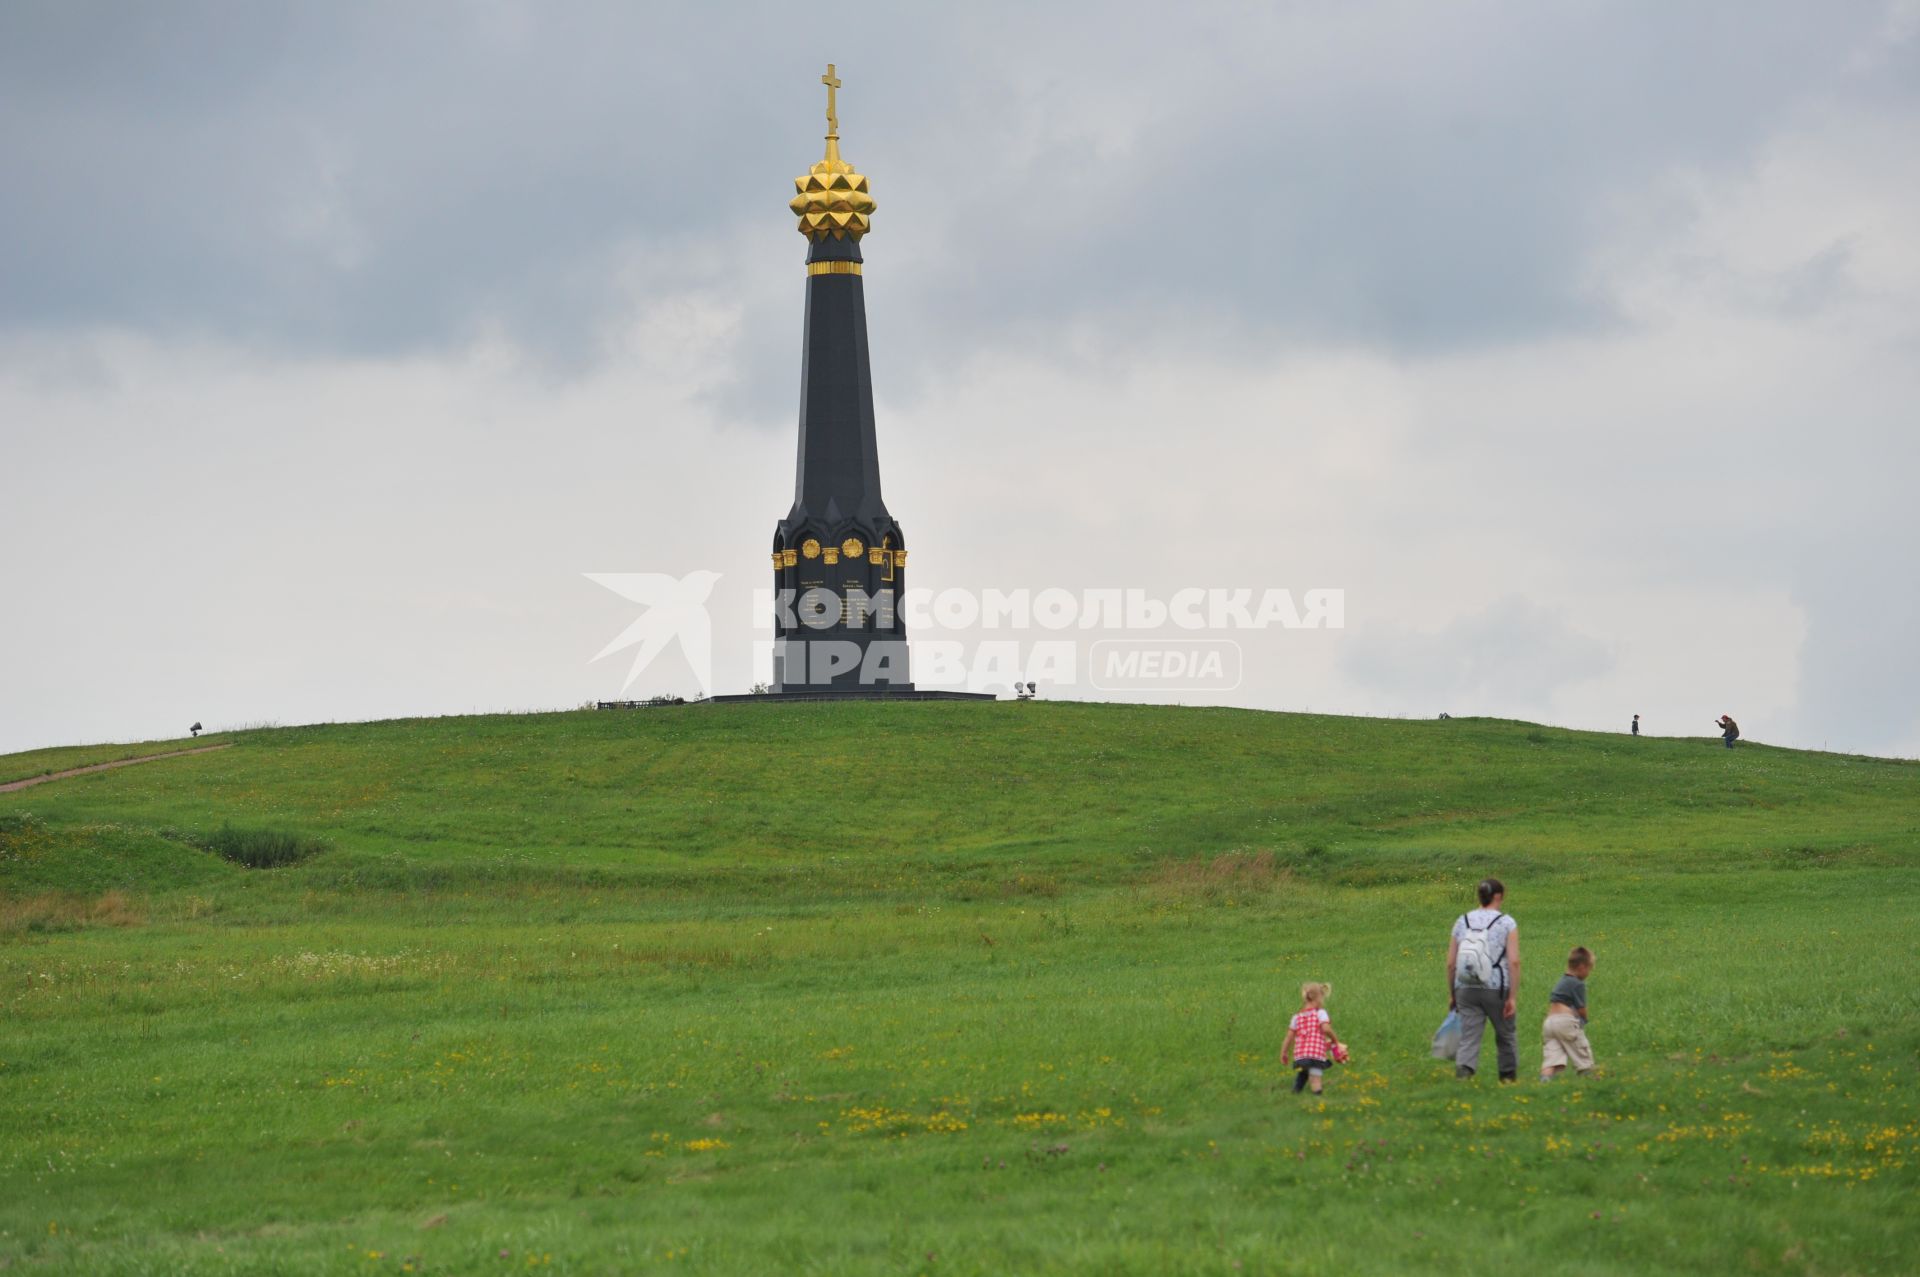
(1563,1037)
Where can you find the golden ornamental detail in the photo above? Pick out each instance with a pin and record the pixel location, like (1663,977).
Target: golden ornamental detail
(833,200)
(852,549)
(777,557)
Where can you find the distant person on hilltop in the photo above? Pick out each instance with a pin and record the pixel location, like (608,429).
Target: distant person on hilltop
(1483,980)
(1729,730)
(1636,724)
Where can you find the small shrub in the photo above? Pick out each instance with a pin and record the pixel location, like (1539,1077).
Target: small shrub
(263,848)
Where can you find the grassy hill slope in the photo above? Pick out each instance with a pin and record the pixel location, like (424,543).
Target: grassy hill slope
(947,987)
(742,792)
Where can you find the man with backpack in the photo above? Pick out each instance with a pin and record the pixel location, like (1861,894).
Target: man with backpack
(1483,981)
(1729,730)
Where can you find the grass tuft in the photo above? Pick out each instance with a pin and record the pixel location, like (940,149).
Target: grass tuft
(62,911)
(263,848)
(1230,875)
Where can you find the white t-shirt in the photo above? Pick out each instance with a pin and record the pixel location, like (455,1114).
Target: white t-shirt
(1498,927)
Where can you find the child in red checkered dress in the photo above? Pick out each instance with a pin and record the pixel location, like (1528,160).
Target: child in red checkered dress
(1311,1045)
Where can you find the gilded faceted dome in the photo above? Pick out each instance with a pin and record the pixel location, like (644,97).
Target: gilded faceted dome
(832,199)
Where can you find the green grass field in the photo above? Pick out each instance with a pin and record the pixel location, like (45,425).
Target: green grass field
(949,988)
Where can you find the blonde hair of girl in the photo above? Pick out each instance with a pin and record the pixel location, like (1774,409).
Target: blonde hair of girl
(1315,992)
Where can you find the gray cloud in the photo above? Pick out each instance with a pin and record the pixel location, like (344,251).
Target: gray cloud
(1610,312)
(377,179)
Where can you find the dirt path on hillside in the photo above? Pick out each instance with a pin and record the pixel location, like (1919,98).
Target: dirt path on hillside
(12,785)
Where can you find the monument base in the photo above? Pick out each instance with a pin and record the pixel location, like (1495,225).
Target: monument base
(906,693)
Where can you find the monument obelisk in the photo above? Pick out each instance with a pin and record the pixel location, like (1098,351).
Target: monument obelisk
(839,558)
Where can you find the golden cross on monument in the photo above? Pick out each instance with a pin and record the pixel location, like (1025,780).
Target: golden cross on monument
(833,119)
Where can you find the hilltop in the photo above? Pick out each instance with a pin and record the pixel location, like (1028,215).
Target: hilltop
(1080,792)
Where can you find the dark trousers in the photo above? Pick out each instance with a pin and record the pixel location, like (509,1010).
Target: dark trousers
(1477,1007)
(1730,738)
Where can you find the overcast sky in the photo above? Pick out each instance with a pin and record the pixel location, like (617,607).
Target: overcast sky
(1578,343)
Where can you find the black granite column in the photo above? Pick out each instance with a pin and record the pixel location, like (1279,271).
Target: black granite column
(842,554)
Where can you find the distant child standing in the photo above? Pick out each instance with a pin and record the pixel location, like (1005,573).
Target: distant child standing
(1311,1045)
(1563,1037)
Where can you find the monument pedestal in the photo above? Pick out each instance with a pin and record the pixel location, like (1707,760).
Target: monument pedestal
(891,693)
